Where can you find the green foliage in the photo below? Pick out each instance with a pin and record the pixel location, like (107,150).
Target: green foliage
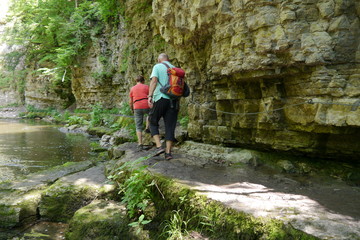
(81,111)
(110,10)
(72,120)
(136,186)
(159,43)
(139,223)
(124,59)
(5,81)
(10,105)
(103,76)
(184,121)
(126,109)
(34,234)
(125,121)
(55,32)
(96,115)
(176,227)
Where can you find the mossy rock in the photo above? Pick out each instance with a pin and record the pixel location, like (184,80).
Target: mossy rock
(18,207)
(100,131)
(103,220)
(60,201)
(9,216)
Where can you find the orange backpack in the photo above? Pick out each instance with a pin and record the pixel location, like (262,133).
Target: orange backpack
(176,86)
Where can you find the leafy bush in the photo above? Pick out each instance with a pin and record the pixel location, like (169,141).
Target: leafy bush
(72,120)
(184,121)
(96,115)
(136,187)
(126,110)
(56,32)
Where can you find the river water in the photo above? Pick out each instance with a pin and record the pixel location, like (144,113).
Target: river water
(30,146)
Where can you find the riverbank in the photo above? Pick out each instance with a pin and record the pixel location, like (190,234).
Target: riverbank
(245,200)
(241,193)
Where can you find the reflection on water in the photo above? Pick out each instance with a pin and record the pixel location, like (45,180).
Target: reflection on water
(26,146)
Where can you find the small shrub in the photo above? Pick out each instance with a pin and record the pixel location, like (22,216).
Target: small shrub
(96,115)
(136,186)
(72,120)
(184,121)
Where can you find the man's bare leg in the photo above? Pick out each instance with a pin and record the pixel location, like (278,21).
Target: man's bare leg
(157,140)
(139,137)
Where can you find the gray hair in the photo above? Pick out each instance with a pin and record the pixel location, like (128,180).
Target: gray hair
(163,56)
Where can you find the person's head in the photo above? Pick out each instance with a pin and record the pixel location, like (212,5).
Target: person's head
(163,57)
(140,79)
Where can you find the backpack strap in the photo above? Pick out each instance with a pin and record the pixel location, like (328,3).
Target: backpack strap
(167,66)
(140,100)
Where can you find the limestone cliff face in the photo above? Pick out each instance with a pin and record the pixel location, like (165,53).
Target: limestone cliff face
(255,56)
(110,66)
(242,57)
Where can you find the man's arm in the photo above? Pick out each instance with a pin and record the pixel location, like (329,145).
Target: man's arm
(153,84)
(131,102)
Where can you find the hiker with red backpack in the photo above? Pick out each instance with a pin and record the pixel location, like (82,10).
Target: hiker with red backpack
(140,107)
(166,87)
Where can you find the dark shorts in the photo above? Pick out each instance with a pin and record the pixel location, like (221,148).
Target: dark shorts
(169,112)
(139,118)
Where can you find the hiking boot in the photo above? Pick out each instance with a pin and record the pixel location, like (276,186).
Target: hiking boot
(140,147)
(147,147)
(168,156)
(158,151)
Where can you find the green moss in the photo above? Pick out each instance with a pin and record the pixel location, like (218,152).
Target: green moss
(99,220)
(95,147)
(9,216)
(60,201)
(28,206)
(100,131)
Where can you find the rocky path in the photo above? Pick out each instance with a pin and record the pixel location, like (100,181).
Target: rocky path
(325,208)
(322,207)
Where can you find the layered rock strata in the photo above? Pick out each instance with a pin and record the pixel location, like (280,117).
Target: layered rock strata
(262,61)
(259,56)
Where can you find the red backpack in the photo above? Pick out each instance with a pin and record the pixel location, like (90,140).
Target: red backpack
(176,86)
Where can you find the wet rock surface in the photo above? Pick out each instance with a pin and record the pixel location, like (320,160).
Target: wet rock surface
(321,206)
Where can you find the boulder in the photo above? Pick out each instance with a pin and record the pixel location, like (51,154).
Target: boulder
(60,201)
(19,199)
(100,220)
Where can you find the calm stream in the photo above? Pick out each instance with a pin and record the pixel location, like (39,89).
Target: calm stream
(29,146)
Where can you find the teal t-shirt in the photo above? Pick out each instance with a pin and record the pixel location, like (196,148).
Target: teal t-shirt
(160,71)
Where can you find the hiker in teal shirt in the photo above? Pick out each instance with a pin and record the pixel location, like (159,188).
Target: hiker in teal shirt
(160,72)
(162,107)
